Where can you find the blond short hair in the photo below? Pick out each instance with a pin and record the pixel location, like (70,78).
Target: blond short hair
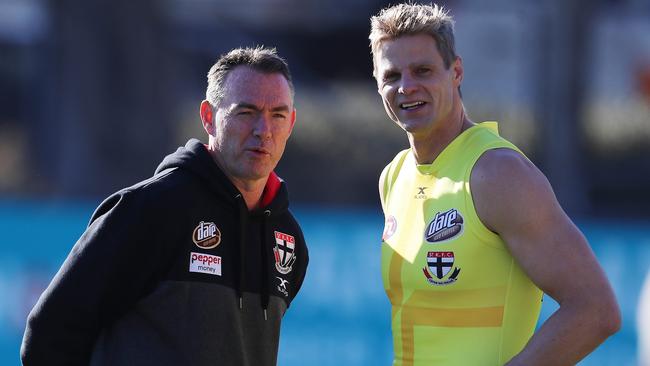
(410,19)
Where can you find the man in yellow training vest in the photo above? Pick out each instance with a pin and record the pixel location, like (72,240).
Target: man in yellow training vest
(473,231)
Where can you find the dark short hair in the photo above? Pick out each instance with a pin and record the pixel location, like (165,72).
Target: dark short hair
(260,58)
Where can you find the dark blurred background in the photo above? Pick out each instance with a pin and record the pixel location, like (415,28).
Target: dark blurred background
(94,93)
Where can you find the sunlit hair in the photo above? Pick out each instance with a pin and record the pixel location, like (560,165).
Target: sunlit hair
(410,19)
(261,59)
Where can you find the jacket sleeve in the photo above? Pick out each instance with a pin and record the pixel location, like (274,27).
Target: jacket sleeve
(108,270)
(303,262)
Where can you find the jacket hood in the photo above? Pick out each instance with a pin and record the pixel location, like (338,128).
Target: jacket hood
(195,159)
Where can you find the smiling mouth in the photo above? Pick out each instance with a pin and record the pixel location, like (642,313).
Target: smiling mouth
(410,106)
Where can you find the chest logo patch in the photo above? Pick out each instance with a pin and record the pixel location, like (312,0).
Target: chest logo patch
(444,226)
(390,226)
(205,263)
(282,287)
(206,235)
(439,264)
(421,194)
(284,252)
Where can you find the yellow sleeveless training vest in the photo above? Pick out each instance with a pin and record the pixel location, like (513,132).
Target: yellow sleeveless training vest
(457,295)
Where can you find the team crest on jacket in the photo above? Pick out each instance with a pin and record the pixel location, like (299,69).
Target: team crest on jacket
(206,235)
(439,264)
(284,251)
(444,226)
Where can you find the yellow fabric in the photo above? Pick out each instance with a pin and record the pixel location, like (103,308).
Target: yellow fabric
(457,298)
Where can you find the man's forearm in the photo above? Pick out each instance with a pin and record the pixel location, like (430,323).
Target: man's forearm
(569,335)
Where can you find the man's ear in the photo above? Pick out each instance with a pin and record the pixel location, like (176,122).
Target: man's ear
(293,118)
(458,71)
(207,117)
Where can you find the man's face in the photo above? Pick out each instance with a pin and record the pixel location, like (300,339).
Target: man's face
(418,92)
(252,123)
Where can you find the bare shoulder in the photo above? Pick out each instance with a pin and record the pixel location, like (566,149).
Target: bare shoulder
(502,166)
(507,188)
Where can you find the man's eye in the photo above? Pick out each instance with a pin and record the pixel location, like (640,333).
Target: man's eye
(244,113)
(391,77)
(279,116)
(423,70)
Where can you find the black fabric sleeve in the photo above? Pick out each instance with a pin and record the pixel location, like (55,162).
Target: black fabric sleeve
(110,267)
(303,262)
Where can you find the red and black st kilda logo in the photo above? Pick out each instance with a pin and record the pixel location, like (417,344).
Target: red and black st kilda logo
(284,252)
(439,265)
(444,226)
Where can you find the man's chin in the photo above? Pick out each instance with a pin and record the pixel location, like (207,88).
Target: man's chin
(258,173)
(251,173)
(413,126)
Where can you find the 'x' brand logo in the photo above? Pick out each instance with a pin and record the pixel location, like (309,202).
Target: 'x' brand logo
(421,190)
(283,282)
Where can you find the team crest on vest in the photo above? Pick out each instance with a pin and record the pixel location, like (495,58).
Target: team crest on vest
(284,251)
(390,226)
(444,226)
(439,264)
(206,235)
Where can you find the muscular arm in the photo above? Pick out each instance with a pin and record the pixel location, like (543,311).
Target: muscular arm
(514,199)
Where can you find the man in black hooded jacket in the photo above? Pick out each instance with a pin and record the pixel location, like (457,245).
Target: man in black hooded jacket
(197,264)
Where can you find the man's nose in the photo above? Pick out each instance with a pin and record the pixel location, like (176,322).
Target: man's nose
(262,128)
(407,85)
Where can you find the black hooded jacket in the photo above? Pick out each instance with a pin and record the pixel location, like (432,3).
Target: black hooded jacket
(173,271)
